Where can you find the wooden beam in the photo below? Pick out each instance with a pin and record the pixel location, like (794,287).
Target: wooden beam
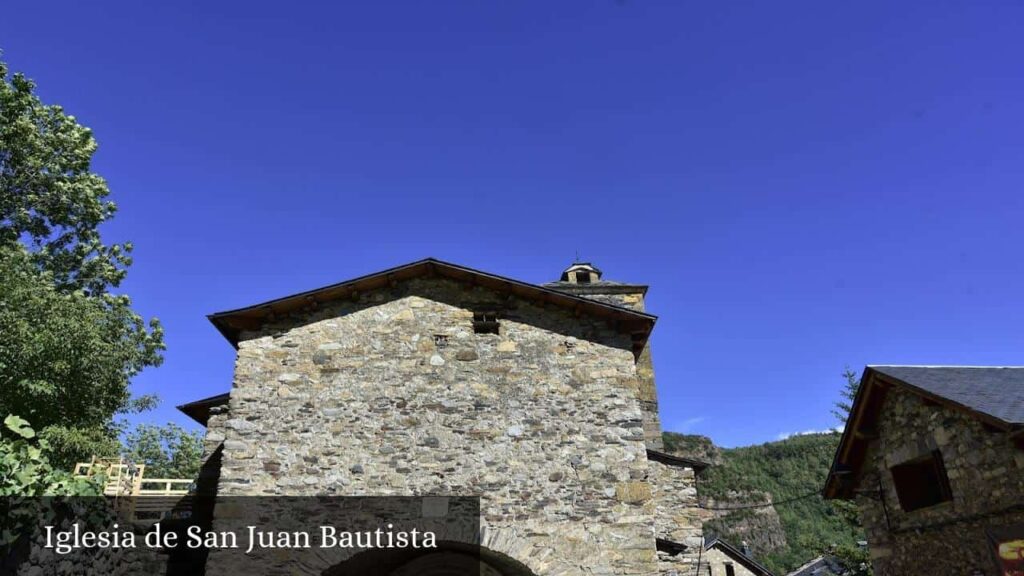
(869,434)
(269,313)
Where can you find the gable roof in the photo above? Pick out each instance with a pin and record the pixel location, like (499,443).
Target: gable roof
(997,392)
(233,322)
(737,555)
(992,394)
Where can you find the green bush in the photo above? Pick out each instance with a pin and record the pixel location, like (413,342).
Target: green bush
(28,480)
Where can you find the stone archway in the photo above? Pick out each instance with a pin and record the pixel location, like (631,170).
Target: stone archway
(448,559)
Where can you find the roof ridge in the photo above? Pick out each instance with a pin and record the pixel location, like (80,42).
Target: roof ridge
(230,323)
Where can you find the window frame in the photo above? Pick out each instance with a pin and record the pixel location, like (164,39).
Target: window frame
(926,471)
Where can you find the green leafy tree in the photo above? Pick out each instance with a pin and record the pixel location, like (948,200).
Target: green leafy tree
(854,559)
(68,345)
(49,197)
(168,451)
(28,480)
(799,525)
(66,359)
(847,394)
(26,471)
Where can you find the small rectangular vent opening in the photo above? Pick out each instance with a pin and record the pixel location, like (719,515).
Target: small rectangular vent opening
(485,322)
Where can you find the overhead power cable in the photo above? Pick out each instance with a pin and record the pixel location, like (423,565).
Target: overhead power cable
(767,505)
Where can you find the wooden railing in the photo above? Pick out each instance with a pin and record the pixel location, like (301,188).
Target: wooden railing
(135,496)
(166,486)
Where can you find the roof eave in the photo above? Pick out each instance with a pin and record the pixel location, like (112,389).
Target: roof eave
(227,322)
(739,556)
(673,460)
(199,410)
(872,382)
(831,490)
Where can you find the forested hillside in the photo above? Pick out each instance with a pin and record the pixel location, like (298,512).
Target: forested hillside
(789,473)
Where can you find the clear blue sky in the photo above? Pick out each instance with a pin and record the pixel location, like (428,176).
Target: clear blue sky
(804,185)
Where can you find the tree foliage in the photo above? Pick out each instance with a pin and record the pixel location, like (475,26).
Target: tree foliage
(168,451)
(28,481)
(847,394)
(66,358)
(49,197)
(68,345)
(854,560)
(25,469)
(792,472)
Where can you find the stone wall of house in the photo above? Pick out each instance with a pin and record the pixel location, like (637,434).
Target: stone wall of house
(986,477)
(676,515)
(717,561)
(711,562)
(394,394)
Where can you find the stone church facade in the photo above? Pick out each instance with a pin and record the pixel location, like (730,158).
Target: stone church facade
(436,379)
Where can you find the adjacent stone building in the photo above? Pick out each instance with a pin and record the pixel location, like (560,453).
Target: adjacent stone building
(724,559)
(934,457)
(436,379)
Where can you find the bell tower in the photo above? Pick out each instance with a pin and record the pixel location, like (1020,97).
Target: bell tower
(581,273)
(586,280)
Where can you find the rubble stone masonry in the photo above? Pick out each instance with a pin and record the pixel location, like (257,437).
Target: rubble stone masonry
(393,393)
(986,477)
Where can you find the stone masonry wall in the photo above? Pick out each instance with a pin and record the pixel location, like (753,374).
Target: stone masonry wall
(986,477)
(631,297)
(677,515)
(717,561)
(711,562)
(394,393)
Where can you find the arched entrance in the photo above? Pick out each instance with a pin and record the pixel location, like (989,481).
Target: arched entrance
(447,559)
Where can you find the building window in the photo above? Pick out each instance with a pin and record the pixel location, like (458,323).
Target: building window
(583,277)
(485,322)
(729,570)
(922,482)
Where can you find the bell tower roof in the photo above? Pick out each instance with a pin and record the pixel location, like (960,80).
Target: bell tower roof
(585,279)
(581,273)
